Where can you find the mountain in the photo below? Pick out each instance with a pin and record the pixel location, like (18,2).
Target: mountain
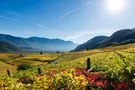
(90,43)
(6,47)
(121,37)
(37,43)
(51,44)
(16,41)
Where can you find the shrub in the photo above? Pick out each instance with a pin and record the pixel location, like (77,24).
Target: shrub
(21,55)
(24,66)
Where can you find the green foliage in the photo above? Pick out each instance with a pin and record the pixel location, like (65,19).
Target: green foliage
(117,69)
(21,55)
(24,66)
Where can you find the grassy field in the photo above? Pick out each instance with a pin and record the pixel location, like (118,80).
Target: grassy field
(4,67)
(10,61)
(114,68)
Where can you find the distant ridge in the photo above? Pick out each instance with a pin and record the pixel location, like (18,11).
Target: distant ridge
(121,37)
(6,47)
(90,43)
(51,44)
(37,43)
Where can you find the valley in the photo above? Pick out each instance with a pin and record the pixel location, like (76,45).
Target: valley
(110,63)
(67,45)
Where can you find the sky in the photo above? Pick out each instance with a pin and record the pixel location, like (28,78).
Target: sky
(74,20)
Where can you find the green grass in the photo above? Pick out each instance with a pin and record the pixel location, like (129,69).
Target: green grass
(4,67)
(74,59)
(10,61)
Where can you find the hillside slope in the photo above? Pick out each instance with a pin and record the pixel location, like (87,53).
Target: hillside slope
(16,41)
(90,43)
(6,47)
(52,44)
(121,37)
(37,43)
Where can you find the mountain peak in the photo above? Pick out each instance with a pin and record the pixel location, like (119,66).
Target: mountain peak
(120,37)
(90,43)
(38,43)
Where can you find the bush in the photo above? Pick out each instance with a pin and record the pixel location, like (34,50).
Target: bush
(24,67)
(21,55)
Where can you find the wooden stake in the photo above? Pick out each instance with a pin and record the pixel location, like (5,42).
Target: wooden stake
(8,72)
(88,64)
(39,71)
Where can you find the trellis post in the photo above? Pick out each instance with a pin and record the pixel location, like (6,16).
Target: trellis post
(88,68)
(39,71)
(8,72)
(88,64)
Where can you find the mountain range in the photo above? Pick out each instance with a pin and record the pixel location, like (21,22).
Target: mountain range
(6,47)
(10,43)
(120,37)
(36,43)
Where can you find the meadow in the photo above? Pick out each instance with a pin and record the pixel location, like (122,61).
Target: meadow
(11,61)
(111,68)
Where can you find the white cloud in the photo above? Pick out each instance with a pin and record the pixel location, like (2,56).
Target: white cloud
(69,12)
(8,18)
(3,17)
(66,14)
(17,14)
(89,2)
(41,26)
(86,35)
(76,36)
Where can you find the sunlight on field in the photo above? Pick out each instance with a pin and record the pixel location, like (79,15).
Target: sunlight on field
(10,61)
(36,57)
(75,59)
(18,62)
(7,56)
(99,58)
(114,65)
(4,67)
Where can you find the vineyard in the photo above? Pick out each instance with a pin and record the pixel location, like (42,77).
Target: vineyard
(11,61)
(108,70)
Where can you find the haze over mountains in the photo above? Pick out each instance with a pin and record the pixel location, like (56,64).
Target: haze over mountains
(90,43)
(37,43)
(121,37)
(12,43)
(6,47)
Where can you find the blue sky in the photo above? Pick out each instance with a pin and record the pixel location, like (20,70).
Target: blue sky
(75,20)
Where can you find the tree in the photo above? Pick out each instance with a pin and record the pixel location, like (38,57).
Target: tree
(41,53)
